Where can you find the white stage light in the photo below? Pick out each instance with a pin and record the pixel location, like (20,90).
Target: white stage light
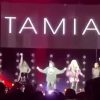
(1,54)
(84,63)
(50,92)
(67,61)
(83,69)
(17,60)
(33,54)
(84,56)
(16,73)
(0,60)
(83,82)
(15,80)
(67,82)
(17,54)
(41,85)
(68,55)
(32,74)
(0,66)
(33,67)
(33,81)
(32,60)
(51,55)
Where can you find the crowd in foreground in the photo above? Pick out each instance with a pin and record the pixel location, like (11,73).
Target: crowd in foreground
(92,92)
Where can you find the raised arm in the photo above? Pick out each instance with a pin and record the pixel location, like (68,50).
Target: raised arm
(41,70)
(21,59)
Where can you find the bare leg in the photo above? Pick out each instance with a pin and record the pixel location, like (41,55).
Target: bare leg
(76,86)
(48,85)
(53,85)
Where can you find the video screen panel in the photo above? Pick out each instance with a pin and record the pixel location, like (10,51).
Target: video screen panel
(50,26)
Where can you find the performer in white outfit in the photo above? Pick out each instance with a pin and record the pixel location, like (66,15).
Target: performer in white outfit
(51,75)
(24,69)
(73,73)
(96,70)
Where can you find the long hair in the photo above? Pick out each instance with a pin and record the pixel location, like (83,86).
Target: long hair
(74,65)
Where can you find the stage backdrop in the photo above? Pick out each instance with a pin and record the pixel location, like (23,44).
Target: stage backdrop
(50,26)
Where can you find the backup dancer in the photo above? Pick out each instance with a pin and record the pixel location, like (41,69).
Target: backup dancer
(73,73)
(24,70)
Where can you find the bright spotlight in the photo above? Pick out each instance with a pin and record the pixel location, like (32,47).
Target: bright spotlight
(12,84)
(50,92)
(41,85)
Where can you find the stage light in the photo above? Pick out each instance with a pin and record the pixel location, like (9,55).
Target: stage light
(83,82)
(80,90)
(18,54)
(1,54)
(67,62)
(51,55)
(44,94)
(16,73)
(0,60)
(67,82)
(83,69)
(50,92)
(33,67)
(33,54)
(99,58)
(2,81)
(17,60)
(33,81)
(41,85)
(68,55)
(84,63)
(17,67)
(84,56)
(0,66)
(12,84)
(32,60)
(32,74)
(15,80)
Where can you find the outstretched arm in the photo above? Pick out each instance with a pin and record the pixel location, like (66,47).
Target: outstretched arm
(41,70)
(81,73)
(29,70)
(61,71)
